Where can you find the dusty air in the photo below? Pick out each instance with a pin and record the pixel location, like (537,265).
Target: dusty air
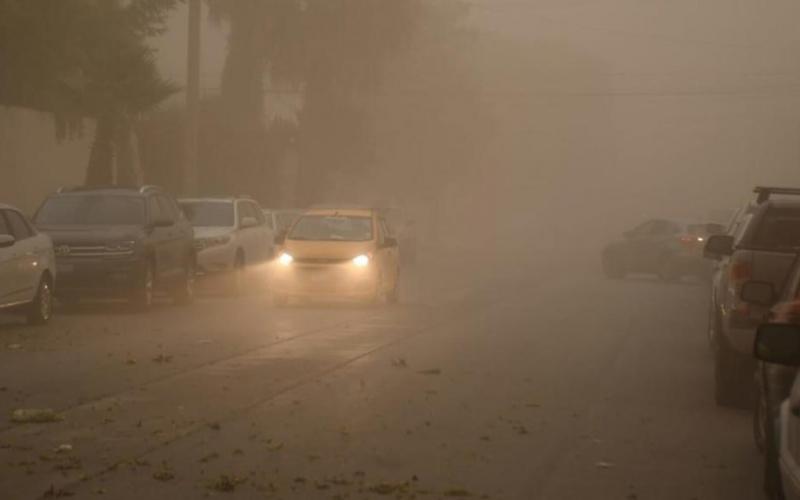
(400,249)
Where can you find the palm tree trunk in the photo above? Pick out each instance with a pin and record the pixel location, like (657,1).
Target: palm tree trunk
(101,159)
(129,172)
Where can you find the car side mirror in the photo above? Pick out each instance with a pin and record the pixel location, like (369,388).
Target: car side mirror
(389,243)
(760,293)
(778,343)
(248,222)
(6,240)
(718,246)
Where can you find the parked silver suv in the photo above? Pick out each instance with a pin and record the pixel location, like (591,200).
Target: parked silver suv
(761,248)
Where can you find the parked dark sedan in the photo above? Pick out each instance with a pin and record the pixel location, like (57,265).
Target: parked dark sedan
(662,247)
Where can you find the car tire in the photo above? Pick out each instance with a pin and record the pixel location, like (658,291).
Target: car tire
(142,296)
(714,329)
(773,484)
(41,309)
(760,420)
(733,377)
(613,267)
(236,278)
(183,293)
(393,296)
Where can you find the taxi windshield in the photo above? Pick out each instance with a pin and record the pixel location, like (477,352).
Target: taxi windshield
(332,228)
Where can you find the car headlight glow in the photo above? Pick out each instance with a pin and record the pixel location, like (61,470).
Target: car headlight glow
(285,259)
(361,261)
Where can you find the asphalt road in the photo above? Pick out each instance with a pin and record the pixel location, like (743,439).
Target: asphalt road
(480,384)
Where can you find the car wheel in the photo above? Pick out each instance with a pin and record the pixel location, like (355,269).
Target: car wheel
(733,377)
(773,484)
(236,280)
(613,267)
(183,294)
(714,329)
(393,296)
(142,297)
(760,418)
(41,309)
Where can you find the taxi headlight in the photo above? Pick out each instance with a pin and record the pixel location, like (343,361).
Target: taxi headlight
(361,261)
(285,259)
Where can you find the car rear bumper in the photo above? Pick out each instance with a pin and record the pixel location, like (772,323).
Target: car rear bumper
(81,277)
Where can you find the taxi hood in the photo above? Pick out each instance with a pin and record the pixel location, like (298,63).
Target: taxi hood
(302,249)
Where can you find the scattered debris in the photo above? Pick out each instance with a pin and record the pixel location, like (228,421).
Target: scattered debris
(163,475)
(35,416)
(64,448)
(54,492)
(162,359)
(226,483)
(520,429)
(14,346)
(432,371)
(130,361)
(209,457)
(399,363)
(604,465)
(215,426)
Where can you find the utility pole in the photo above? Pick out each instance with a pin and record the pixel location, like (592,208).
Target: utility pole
(192,101)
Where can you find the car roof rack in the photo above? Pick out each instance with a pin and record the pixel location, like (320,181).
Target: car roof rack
(765,192)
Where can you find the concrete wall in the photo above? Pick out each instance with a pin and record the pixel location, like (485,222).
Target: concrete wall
(32,162)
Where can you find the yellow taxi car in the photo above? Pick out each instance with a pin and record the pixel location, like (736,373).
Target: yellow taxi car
(337,254)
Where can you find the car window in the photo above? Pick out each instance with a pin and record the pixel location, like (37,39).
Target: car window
(780,228)
(332,228)
(167,210)
(664,227)
(154,208)
(209,213)
(92,210)
(4,227)
(244,211)
(19,227)
(258,214)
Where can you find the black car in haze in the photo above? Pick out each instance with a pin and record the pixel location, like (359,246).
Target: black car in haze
(662,247)
(120,242)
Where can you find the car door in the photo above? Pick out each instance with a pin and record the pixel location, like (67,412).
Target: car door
(175,238)
(263,234)
(159,240)
(24,256)
(8,266)
(251,241)
(789,447)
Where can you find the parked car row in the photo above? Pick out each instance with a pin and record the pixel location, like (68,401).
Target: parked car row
(754,328)
(134,242)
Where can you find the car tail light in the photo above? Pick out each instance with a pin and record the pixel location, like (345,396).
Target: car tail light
(740,271)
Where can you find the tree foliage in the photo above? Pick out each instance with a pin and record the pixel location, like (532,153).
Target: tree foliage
(83,59)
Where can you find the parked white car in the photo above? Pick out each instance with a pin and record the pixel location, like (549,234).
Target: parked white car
(231,234)
(27,267)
